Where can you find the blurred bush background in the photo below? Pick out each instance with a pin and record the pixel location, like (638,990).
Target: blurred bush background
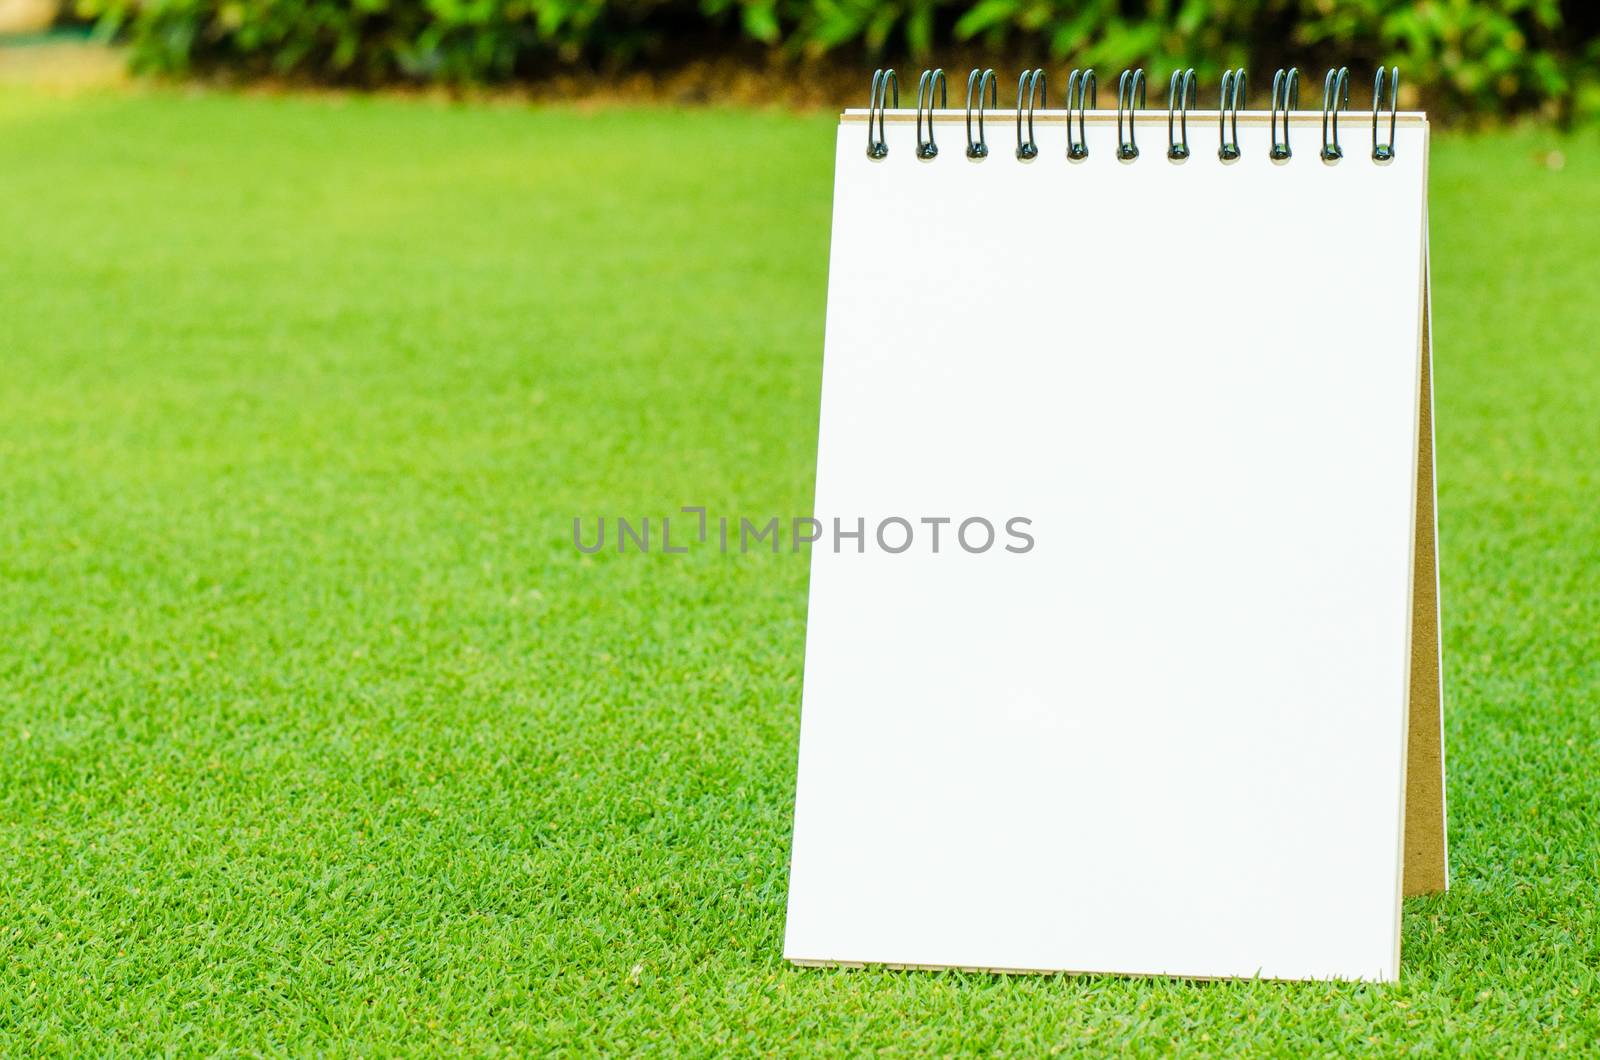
(1467,58)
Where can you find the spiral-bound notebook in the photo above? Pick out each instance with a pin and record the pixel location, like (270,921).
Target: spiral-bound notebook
(1122,650)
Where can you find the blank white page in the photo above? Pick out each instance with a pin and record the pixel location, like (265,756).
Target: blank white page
(1170,738)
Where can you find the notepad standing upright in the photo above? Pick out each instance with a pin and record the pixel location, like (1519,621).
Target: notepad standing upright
(1169,736)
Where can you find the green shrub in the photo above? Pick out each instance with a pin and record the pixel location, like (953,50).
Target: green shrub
(1467,55)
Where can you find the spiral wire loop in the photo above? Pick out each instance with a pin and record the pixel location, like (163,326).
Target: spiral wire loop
(928,82)
(1285,98)
(1233,85)
(1129,86)
(979,148)
(1033,82)
(1385,152)
(882,82)
(1182,94)
(1335,97)
(1082,97)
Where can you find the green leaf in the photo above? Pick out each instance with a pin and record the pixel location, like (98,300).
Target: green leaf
(988,14)
(919,30)
(760,21)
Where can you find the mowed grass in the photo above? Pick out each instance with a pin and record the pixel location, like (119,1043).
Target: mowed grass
(317,734)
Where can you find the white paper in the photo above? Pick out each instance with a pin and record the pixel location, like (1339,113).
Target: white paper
(1170,738)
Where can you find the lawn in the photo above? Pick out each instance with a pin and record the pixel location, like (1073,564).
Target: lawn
(317,734)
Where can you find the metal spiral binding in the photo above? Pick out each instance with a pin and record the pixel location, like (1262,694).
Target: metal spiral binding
(1181,95)
(1385,152)
(1080,87)
(1033,81)
(882,82)
(1335,97)
(1285,97)
(929,80)
(979,148)
(1233,84)
(1130,83)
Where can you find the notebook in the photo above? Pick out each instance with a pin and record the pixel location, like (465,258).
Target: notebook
(1122,645)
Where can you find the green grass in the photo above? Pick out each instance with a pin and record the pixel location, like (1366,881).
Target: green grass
(316,734)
